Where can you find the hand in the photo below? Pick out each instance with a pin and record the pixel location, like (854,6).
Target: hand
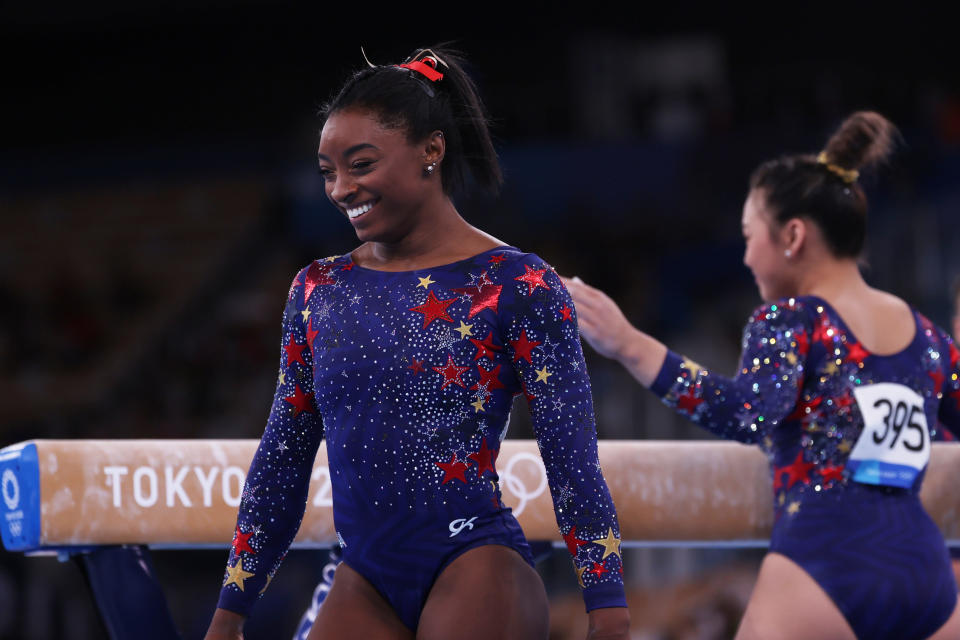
(612,623)
(226,625)
(602,323)
(606,329)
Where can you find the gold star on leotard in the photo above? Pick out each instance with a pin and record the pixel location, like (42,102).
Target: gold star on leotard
(306,314)
(691,366)
(580,571)
(844,446)
(543,374)
(477,405)
(831,368)
(236,575)
(269,578)
(283,377)
(611,544)
(464,330)
(425,282)
(792,358)
(793,508)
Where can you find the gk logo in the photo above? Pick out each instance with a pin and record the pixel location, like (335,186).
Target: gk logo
(460,524)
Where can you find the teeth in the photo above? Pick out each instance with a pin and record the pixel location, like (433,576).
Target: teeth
(359,211)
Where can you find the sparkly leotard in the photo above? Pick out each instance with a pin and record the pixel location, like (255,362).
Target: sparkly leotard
(410,376)
(803,388)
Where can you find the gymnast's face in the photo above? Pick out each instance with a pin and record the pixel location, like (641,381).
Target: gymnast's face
(764,253)
(373,175)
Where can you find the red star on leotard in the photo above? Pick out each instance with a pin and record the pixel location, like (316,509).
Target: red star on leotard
(316,275)
(954,356)
(417,366)
(348,267)
(484,458)
(453,470)
(311,336)
(533,278)
(796,471)
(300,401)
(486,297)
(489,379)
(856,353)
(801,413)
(845,401)
(294,352)
(451,373)
(803,345)
(485,347)
(497,259)
(522,347)
(240,542)
(598,569)
(820,333)
(937,376)
(831,473)
(434,309)
(688,402)
(573,542)
(566,313)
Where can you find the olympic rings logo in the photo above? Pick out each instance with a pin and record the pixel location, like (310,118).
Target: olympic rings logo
(11,489)
(516,484)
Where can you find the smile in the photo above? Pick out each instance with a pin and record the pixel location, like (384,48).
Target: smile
(359,210)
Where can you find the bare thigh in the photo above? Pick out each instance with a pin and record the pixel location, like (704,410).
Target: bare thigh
(488,592)
(787,604)
(355,610)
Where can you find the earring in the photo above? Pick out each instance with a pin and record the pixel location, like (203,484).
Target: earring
(788,253)
(428,170)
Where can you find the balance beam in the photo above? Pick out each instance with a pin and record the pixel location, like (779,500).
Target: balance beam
(68,494)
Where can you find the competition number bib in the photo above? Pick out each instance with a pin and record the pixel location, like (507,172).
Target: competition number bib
(895,444)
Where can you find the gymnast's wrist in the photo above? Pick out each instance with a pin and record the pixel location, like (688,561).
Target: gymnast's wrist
(609,622)
(628,346)
(226,624)
(642,355)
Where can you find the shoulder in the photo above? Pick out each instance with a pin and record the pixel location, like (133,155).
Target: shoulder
(788,313)
(525,272)
(512,261)
(933,333)
(319,272)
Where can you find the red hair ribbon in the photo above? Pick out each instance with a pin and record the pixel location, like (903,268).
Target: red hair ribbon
(426,66)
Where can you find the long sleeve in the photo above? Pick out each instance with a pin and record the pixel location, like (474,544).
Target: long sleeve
(543,343)
(765,390)
(275,493)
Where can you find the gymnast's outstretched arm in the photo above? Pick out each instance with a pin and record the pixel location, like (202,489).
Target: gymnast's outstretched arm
(765,388)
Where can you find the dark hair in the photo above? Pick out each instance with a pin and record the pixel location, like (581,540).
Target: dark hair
(405,99)
(824,187)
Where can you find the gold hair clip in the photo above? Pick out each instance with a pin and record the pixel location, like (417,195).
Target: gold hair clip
(847,175)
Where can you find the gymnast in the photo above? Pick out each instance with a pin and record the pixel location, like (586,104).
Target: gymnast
(841,385)
(406,355)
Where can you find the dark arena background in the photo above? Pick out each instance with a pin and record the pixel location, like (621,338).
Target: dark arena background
(158,191)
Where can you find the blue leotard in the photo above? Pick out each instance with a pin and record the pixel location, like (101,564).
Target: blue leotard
(871,547)
(410,377)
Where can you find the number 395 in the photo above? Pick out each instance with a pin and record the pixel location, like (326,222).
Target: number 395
(897,417)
